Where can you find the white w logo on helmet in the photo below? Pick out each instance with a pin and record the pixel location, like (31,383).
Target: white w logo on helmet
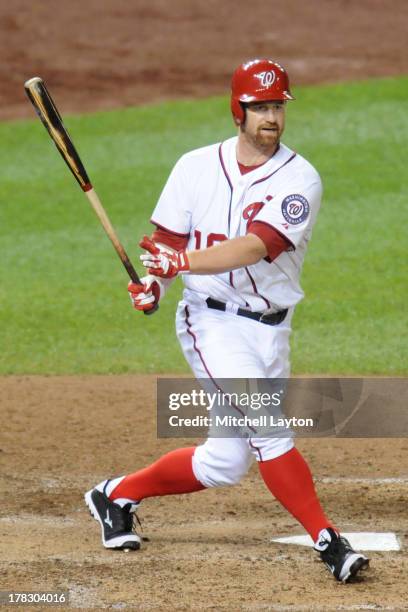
(267,78)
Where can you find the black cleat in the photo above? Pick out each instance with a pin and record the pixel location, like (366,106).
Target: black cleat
(338,555)
(116,522)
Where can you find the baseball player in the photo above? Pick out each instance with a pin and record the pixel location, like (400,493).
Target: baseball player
(234,219)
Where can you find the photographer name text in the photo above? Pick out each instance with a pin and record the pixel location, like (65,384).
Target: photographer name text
(239,421)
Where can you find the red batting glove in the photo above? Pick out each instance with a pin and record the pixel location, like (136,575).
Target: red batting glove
(146,295)
(163,263)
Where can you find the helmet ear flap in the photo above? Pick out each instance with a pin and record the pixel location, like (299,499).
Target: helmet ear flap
(238,111)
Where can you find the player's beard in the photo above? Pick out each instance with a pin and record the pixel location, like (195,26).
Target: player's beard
(264,141)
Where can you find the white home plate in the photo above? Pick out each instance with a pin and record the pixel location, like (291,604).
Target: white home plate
(359,540)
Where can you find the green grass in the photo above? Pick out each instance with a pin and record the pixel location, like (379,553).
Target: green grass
(64,306)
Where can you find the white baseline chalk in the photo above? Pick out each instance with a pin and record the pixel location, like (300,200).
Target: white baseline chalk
(402,480)
(364,540)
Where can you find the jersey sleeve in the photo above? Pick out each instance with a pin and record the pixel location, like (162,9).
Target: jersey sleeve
(273,240)
(173,209)
(174,241)
(293,211)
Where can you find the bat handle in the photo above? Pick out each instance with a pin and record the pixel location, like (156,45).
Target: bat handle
(135,278)
(152,310)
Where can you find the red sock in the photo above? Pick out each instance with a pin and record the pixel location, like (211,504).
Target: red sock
(289,479)
(170,475)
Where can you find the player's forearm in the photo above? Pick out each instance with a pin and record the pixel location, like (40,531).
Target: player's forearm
(228,255)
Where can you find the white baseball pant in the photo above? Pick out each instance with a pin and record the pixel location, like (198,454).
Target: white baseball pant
(218,345)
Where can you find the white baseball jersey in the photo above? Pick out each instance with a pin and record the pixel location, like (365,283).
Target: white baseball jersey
(208,199)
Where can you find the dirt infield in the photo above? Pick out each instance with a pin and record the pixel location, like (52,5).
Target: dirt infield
(118,53)
(60,435)
(208,550)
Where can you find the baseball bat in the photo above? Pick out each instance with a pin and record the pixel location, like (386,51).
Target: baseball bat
(45,108)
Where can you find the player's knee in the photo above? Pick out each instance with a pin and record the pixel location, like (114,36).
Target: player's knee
(215,466)
(265,449)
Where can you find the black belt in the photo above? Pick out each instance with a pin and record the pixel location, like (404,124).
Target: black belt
(269,319)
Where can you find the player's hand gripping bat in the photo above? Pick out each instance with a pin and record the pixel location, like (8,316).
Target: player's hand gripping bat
(50,117)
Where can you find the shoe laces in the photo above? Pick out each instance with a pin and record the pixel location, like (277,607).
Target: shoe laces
(123,519)
(128,520)
(137,525)
(338,547)
(341,544)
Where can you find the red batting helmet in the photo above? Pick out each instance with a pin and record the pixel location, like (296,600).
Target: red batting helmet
(258,80)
